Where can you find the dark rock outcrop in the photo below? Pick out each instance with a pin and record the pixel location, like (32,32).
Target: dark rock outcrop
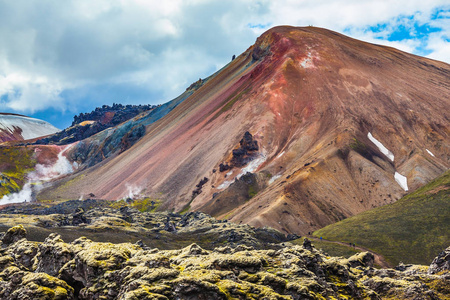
(199,186)
(85,125)
(245,152)
(441,263)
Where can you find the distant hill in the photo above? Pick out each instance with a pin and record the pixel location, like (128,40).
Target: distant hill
(412,230)
(14,127)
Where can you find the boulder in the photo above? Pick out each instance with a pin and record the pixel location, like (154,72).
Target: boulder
(14,234)
(441,263)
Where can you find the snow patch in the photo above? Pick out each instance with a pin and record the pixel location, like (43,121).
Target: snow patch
(280,155)
(274,178)
(381,147)
(401,180)
(429,152)
(229,173)
(307,62)
(224,185)
(252,166)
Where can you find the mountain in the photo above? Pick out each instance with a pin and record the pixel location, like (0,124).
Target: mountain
(411,230)
(305,128)
(18,128)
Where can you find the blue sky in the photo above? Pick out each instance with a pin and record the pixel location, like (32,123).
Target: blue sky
(60,58)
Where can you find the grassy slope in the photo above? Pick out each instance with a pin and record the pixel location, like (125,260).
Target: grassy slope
(331,249)
(412,230)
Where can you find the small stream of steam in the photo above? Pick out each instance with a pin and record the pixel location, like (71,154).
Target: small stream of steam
(40,175)
(132,191)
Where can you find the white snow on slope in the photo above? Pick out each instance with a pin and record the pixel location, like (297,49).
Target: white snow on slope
(224,185)
(280,155)
(274,178)
(401,180)
(381,147)
(252,166)
(31,128)
(429,152)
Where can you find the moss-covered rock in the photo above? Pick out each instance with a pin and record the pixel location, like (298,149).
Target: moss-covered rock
(84,269)
(14,234)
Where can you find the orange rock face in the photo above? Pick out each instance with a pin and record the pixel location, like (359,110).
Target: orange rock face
(309,97)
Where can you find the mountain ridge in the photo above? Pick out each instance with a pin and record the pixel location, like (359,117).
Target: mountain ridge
(310,98)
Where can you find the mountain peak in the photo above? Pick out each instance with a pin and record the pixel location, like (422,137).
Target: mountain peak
(314,101)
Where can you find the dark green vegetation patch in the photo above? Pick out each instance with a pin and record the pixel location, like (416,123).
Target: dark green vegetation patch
(412,230)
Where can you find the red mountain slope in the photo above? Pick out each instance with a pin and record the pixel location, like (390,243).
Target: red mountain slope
(309,97)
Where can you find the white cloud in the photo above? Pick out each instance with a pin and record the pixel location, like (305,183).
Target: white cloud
(440,48)
(103,51)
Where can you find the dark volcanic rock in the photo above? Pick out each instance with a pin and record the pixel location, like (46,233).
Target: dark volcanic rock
(307,244)
(224,167)
(87,124)
(199,186)
(441,263)
(246,151)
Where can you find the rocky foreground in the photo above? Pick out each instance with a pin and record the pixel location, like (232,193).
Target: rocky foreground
(83,269)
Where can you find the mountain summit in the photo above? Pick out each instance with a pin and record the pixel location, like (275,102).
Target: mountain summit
(303,129)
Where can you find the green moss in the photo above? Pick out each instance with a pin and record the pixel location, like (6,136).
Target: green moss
(439,285)
(15,163)
(146,204)
(358,146)
(185,210)
(252,191)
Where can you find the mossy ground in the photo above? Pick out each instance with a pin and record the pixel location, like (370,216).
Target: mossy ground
(412,230)
(143,205)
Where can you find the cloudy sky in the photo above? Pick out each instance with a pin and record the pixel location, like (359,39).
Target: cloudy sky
(60,58)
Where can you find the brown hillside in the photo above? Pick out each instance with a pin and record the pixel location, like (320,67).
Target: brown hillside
(309,97)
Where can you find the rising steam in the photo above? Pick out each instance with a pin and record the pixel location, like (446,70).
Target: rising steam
(40,175)
(132,191)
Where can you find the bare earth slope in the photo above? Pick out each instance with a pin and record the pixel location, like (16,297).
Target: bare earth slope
(309,97)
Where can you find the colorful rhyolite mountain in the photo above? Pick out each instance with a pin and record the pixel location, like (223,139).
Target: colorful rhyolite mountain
(335,127)
(18,128)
